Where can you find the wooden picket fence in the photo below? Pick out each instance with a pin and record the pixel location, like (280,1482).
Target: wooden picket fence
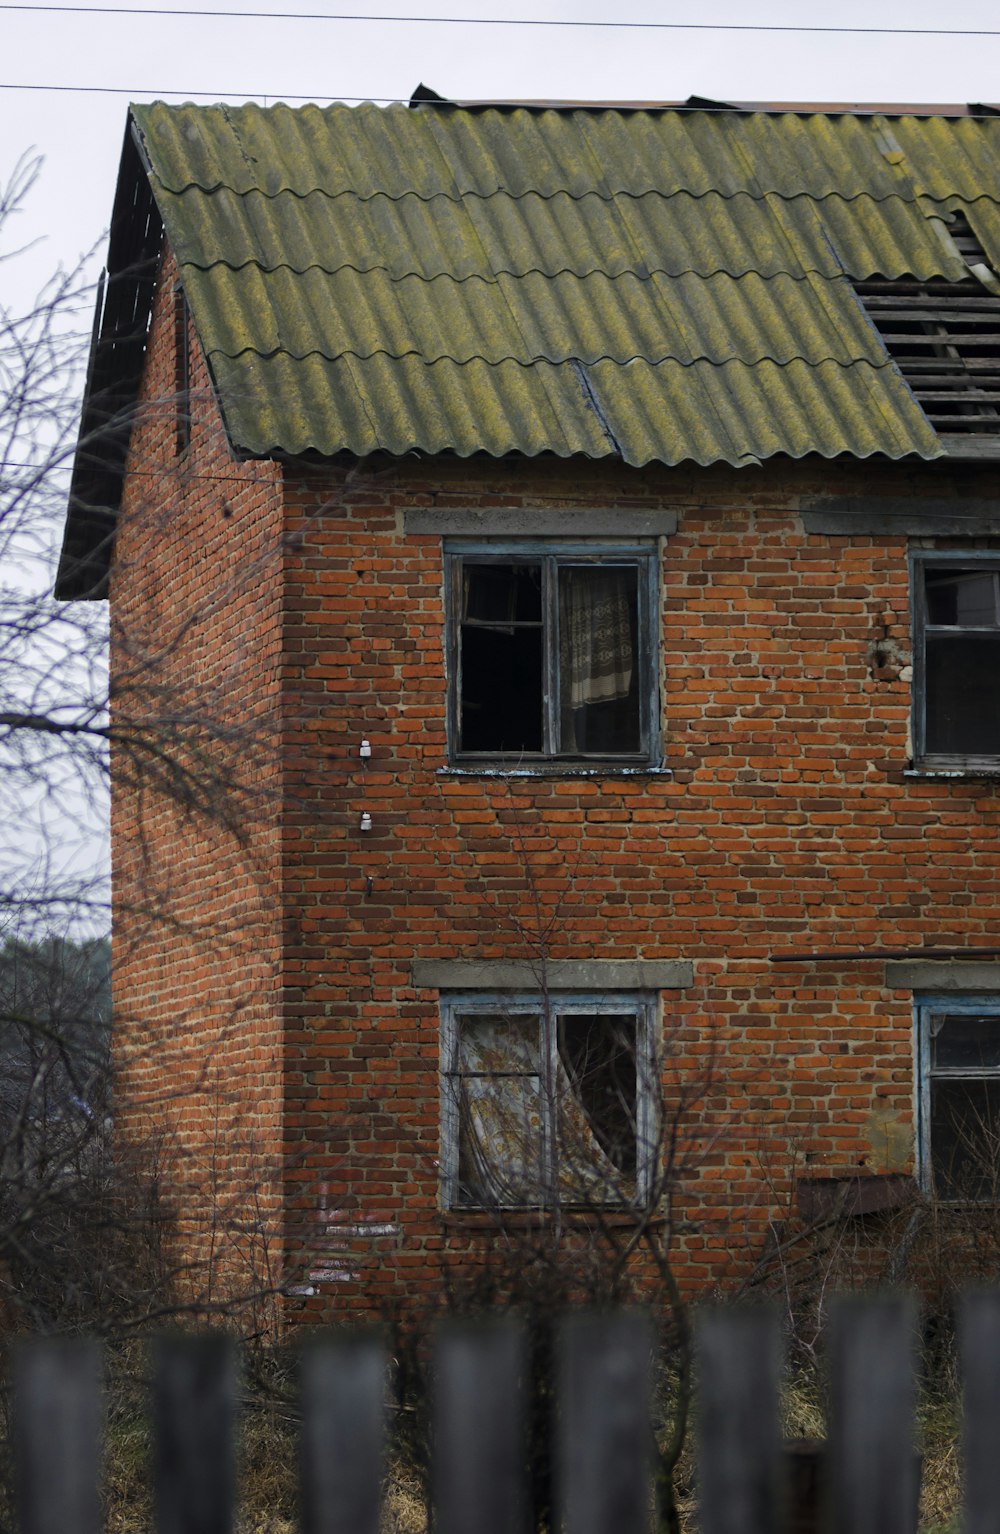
(601,1439)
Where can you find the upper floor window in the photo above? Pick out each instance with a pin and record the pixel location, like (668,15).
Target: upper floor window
(552,653)
(957,660)
(960,1098)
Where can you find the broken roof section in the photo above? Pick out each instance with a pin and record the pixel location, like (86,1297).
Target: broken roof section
(653,285)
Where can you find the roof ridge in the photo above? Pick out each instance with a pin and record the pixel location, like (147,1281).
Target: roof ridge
(569,360)
(674,273)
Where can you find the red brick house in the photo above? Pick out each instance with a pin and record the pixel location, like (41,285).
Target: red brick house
(591,518)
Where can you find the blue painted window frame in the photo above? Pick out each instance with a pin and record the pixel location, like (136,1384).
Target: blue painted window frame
(922,560)
(926,1008)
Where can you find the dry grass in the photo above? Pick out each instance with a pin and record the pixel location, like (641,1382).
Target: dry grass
(267,1467)
(405,1509)
(803,1415)
(941,1481)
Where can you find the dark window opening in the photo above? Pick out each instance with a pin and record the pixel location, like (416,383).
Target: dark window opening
(963,1108)
(958,663)
(501,658)
(598,1055)
(553,657)
(182,373)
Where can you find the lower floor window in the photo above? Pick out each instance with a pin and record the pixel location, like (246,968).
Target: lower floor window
(960,1099)
(548,1101)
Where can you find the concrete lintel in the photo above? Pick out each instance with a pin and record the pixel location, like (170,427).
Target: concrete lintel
(560,975)
(906,517)
(539,522)
(943,974)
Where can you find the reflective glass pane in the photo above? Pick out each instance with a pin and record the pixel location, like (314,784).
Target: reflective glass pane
(960,1041)
(963,694)
(500,1139)
(500,1142)
(965,1139)
(498,1043)
(501,702)
(962,597)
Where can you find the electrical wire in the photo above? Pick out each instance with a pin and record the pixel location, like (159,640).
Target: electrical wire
(137,93)
(506,21)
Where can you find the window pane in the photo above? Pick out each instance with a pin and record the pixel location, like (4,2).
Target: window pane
(501,594)
(498,1043)
(963,1042)
(963,694)
(598,660)
(500,1139)
(597,1107)
(501,704)
(962,597)
(965,1139)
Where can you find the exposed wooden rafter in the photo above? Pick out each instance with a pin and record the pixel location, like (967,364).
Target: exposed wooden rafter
(945,338)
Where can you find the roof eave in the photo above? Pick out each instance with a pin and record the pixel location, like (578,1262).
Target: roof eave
(114,374)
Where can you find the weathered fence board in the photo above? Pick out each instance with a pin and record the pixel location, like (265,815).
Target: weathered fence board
(342,1441)
(603,1476)
(738,1460)
(873,1473)
(600,1434)
(194,1403)
(478,1430)
(979,1334)
(58,1417)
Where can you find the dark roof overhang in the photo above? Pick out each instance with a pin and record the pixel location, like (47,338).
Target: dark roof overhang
(121,323)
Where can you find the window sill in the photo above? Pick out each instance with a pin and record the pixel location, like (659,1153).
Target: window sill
(985,772)
(555,770)
(542,1219)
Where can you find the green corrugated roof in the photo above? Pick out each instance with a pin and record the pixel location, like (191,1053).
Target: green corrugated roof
(658,285)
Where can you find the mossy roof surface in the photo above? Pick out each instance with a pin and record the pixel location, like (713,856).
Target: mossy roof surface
(661,286)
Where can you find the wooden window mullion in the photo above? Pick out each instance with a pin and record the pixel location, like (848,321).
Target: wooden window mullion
(551,741)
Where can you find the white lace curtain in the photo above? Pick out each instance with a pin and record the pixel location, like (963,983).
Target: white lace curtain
(596,658)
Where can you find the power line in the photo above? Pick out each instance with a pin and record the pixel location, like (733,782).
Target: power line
(137,92)
(505,21)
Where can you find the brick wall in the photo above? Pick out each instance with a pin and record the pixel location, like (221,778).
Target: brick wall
(196,604)
(787,824)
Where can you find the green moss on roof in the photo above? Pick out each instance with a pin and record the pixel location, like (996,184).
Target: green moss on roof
(659,285)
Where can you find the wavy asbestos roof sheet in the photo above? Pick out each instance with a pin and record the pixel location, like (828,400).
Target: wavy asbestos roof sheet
(656,285)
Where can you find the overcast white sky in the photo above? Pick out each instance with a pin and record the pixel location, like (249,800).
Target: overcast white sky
(143,56)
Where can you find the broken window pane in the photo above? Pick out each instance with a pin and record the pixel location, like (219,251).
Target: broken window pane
(964,1041)
(963,597)
(501,658)
(598,678)
(597,1101)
